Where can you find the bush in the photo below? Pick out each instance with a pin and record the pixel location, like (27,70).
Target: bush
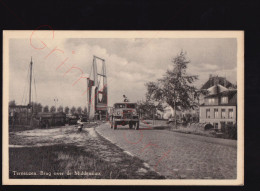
(208,126)
(230,131)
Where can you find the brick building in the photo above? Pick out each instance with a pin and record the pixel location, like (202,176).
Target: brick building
(219,106)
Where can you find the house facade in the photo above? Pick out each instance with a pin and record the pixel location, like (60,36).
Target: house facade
(219,106)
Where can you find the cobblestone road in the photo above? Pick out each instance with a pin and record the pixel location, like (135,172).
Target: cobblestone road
(176,155)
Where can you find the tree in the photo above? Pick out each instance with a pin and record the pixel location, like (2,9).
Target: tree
(148,108)
(72,110)
(37,107)
(79,110)
(46,108)
(175,88)
(60,109)
(53,109)
(85,111)
(67,110)
(12,103)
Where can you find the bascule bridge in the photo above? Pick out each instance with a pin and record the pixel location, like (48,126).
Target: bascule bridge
(97,90)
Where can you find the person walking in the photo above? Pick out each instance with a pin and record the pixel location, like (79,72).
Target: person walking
(80,124)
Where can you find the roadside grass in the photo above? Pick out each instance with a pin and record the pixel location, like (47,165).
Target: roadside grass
(193,130)
(97,156)
(162,125)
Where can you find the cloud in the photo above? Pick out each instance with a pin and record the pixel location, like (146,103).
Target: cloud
(208,67)
(130,64)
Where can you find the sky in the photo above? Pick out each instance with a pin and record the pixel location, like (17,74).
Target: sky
(130,63)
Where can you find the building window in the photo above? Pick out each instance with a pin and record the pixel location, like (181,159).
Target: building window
(230,114)
(211,101)
(215,113)
(223,113)
(224,100)
(207,113)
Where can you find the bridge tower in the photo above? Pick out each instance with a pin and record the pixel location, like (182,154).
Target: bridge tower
(97,86)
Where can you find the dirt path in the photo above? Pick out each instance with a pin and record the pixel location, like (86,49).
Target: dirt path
(64,150)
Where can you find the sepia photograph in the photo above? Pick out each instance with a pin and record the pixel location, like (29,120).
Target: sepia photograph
(123,107)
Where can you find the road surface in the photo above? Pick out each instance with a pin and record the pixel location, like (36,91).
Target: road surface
(176,155)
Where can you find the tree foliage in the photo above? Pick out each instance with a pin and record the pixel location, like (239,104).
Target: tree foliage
(176,86)
(85,111)
(53,109)
(60,109)
(12,103)
(148,108)
(79,110)
(73,110)
(37,107)
(67,110)
(46,108)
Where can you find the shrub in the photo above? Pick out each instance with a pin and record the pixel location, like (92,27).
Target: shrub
(208,126)
(230,131)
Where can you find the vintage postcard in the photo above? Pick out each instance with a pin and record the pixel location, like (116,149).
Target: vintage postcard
(123,107)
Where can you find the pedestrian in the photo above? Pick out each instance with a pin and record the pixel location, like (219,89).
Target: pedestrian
(80,124)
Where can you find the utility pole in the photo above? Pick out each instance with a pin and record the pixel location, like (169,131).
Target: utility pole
(30,91)
(30,85)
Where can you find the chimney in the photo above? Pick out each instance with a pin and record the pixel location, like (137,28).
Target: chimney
(210,80)
(216,80)
(225,82)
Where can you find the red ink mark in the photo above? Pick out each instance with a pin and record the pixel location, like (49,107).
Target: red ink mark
(40,40)
(164,155)
(81,77)
(139,140)
(73,52)
(73,67)
(149,145)
(55,49)
(63,62)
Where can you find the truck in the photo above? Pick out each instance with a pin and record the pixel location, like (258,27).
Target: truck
(124,114)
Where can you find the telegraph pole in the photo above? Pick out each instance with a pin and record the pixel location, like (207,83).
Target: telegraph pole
(30,85)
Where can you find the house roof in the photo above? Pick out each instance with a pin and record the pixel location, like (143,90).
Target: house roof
(221,80)
(229,93)
(216,89)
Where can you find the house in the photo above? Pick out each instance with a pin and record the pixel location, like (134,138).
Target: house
(219,106)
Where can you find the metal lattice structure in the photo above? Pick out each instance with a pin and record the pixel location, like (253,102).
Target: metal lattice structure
(97,86)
